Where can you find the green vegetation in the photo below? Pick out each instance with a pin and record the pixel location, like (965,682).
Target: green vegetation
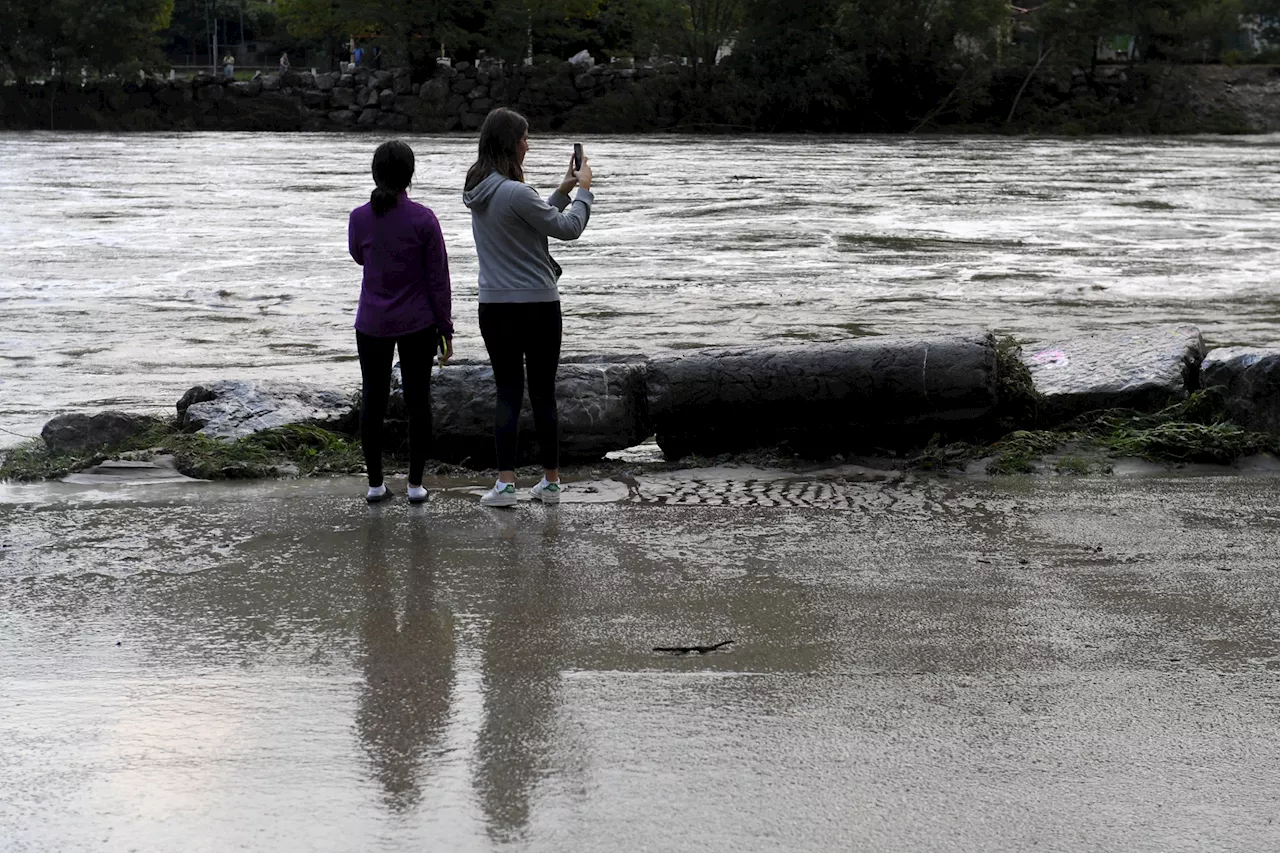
(309,450)
(1018,399)
(757,65)
(64,36)
(1192,430)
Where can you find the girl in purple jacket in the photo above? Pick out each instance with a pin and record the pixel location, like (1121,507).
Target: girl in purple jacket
(405,304)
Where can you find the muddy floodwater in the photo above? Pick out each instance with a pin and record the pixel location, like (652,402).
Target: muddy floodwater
(133,266)
(917,665)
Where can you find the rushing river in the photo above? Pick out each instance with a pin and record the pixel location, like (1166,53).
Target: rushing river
(133,266)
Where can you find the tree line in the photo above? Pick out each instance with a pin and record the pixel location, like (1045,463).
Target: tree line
(800,64)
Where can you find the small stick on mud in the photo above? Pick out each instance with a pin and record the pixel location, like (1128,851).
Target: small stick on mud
(684,650)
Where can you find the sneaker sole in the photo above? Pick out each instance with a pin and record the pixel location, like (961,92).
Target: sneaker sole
(386,496)
(551,498)
(500,502)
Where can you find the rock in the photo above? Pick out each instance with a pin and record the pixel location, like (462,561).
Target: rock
(584,81)
(347,80)
(482,105)
(1145,370)
(460,86)
(1250,382)
(202,79)
(271,83)
(434,91)
(382,80)
(478,92)
(472,121)
(73,433)
(821,399)
(315,99)
(326,82)
(235,408)
(247,88)
(386,99)
(172,96)
(342,117)
(392,121)
(368,117)
(402,85)
(342,96)
(601,405)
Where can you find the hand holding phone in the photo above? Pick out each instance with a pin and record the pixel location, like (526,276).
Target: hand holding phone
(577,156)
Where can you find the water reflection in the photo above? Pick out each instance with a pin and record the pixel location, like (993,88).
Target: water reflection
(521,681)
(412,666)
(408,665)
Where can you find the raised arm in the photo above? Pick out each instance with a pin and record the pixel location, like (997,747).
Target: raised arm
(550,217)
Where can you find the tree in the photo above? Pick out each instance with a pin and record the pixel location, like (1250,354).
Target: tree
(67,35)
(413,29)
(793,54)
(914,55)
(557,28)
(709,25)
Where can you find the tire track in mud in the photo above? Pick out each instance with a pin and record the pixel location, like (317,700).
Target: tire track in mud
(879,496)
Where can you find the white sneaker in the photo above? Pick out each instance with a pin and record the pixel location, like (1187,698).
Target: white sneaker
(548,493)
(502,494)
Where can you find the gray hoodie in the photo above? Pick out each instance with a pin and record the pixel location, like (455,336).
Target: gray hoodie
(511,225)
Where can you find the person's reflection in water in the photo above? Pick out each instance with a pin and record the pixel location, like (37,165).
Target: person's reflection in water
(408,664)
(521,681)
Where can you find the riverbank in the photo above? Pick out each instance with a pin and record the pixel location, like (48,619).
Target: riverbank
(1070,407)
(633,99)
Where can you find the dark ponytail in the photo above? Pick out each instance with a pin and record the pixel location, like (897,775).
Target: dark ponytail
(392,172)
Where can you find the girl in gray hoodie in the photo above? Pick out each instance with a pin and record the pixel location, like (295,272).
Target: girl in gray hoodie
(519,301)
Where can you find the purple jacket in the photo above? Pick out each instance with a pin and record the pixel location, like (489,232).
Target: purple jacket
(406,271)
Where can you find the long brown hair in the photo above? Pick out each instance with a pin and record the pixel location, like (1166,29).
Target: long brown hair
(500,137)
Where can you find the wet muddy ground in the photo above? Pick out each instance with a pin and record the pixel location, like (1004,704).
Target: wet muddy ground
(917,664)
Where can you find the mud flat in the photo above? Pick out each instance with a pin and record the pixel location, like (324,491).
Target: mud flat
(917,664)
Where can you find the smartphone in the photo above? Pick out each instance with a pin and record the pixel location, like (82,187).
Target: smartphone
(577,156)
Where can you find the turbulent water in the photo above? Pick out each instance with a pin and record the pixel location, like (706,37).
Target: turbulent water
(135,266)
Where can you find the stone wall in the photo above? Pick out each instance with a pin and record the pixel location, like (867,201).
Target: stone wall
(617,99)
(455,99)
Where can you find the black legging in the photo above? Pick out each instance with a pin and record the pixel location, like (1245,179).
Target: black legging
(416,352)
(520,336)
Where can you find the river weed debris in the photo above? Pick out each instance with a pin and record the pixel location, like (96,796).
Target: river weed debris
(1196,429)
(294,449)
